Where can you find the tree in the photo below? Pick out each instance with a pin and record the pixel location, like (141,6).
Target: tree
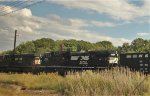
(105,45)
(84,45)
(27,47)
(125,48)
(138,45)
(44,44)
(38,46)
(147,46)
(67,45)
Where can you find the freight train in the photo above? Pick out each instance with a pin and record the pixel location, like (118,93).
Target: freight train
(74,61)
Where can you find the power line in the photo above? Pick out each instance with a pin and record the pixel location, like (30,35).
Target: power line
(24,5)
(12,3)
(16,4)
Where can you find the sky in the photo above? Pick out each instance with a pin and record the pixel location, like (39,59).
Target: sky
(117,21)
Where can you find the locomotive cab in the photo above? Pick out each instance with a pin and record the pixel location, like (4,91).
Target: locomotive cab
(104,58)
(37,61)
(21,60)
(113,59)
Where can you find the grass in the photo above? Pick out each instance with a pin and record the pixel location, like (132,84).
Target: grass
(148,93)
(118,81)
(36,82)
(110,82)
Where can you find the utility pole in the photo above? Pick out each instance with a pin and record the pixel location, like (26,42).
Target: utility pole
(14,51)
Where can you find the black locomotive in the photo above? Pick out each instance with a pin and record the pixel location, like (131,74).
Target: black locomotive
(81,59)
(19,62)
(74,61)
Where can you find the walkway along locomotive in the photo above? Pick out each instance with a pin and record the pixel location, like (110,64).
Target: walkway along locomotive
(74,61)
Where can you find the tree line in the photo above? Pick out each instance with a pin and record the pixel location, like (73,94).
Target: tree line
(43,45)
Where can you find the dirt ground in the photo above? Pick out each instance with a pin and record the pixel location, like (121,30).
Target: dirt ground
(15,90)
